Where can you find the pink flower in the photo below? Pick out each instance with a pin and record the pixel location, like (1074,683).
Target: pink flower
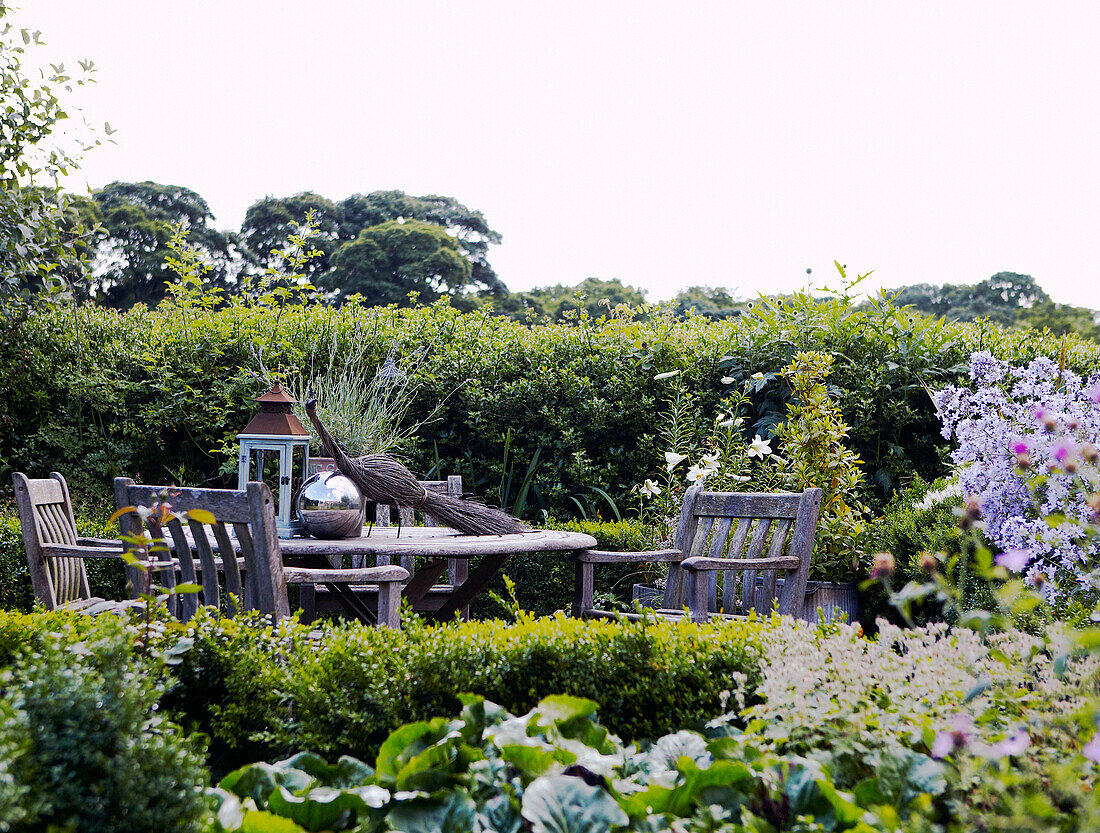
(1014,560)
(1064,451)
(1094,393)
(1014,744)
(1091,750)
(1020,447)
(957,737)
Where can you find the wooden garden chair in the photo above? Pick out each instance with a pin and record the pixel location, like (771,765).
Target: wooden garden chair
(318,598)
(262,585)
(56,555)
(741,536)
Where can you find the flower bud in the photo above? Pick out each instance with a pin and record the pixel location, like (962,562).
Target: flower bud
(884,565)
(1090,453)
(1023,460)
(970,511)
(1050,423)
(1039,579)
(1093,501)
(928,562)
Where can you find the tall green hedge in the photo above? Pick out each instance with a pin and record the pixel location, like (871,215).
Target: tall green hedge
(159,394)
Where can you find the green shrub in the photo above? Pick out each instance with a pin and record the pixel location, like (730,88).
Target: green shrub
(814,453)
(92,751)
(259,693)
(921,519)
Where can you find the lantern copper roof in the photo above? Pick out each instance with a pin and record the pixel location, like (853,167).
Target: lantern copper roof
(276,416)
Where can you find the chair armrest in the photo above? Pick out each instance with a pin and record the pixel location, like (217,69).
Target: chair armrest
(70,551)
(700,565)
(603,557)
(98,542)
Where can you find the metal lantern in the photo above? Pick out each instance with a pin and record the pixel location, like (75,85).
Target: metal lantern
(275,450)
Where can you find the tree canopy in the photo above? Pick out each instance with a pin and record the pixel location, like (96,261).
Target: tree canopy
(136,221)
(1008,298)
(386,262)
(708,301)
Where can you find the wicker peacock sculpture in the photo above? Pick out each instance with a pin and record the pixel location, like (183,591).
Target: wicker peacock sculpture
(383,479)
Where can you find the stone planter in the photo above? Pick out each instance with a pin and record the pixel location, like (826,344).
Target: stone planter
(833,597)
(648,596)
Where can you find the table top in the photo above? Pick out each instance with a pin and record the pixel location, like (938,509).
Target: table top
(438,542)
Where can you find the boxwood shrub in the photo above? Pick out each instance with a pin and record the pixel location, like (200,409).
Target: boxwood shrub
(260,694)
(82,743)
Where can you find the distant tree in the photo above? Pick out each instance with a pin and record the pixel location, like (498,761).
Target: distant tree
(136,220)
(469,227)
(269,222)
(386,262)
(712,302)
(597,297)
(999,298)
(1062,319)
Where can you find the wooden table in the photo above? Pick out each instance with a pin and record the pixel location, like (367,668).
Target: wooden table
(437,545)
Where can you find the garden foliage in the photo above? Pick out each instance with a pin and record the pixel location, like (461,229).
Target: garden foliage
(161,393)
(761,725)
(84,746)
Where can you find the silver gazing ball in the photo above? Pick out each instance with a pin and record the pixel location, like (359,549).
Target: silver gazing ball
(330,506)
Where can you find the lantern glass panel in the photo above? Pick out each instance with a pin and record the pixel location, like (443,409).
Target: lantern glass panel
(298,468)
(263,466)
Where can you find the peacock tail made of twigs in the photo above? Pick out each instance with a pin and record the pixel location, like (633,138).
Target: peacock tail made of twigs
(382,479)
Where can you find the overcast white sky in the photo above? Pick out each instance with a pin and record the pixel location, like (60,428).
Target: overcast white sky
(665,144)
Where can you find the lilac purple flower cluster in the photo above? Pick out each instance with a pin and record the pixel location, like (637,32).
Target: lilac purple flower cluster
(1027,453)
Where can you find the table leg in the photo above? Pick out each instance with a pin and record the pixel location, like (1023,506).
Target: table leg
(423,580)
(490,565)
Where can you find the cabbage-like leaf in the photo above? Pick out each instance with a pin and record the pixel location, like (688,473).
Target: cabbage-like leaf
(444,812)
(564,804)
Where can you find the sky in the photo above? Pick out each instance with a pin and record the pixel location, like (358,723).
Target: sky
(671,144)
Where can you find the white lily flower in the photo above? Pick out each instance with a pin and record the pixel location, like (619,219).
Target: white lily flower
(697,474)
(650,489)
(740,478)
(672,459)
(759,448)
(756,377)
(710,461)
(728,380)
(667,375)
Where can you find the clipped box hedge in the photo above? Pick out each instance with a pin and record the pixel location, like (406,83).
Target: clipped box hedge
(259,694)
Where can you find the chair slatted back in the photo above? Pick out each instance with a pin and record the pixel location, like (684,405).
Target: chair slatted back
(208,556)
(749,527)
(46,516)
(384,517)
